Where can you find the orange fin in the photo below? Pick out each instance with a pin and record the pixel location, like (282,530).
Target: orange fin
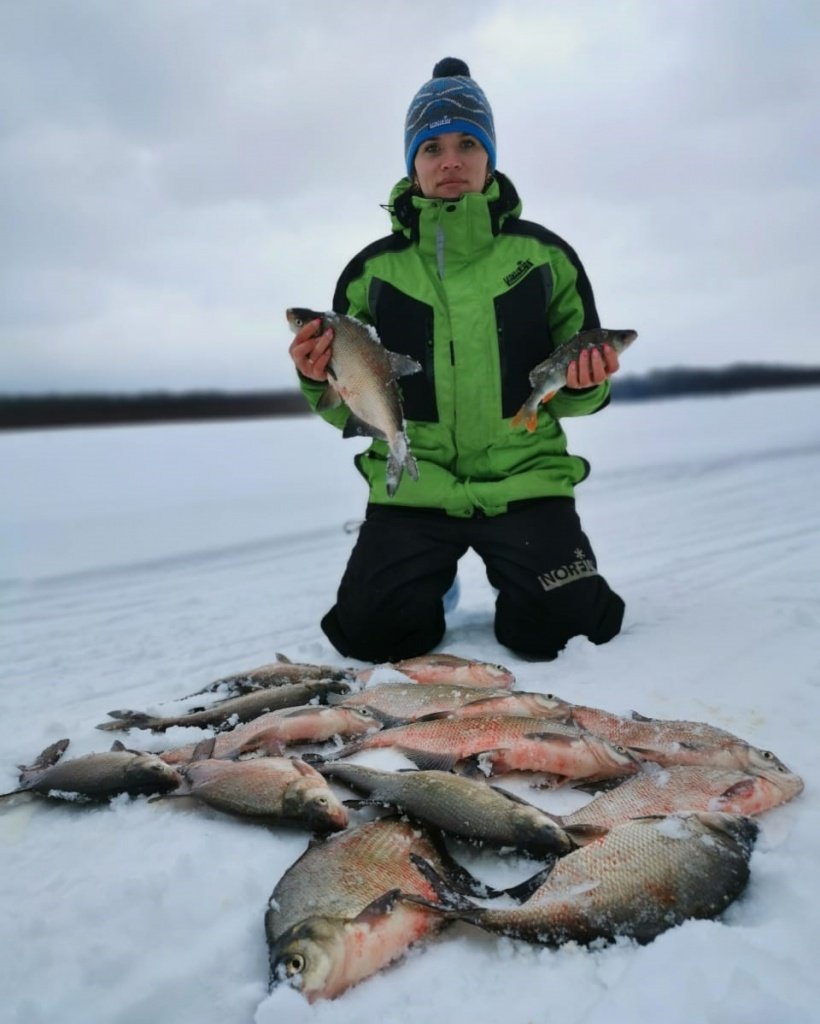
(548,397)
(525,418)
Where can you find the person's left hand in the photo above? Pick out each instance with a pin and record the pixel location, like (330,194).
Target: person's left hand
(592,367)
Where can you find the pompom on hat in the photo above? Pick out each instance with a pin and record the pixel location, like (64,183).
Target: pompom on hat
(450,102)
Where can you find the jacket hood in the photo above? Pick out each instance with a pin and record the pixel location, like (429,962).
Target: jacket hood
(405,206)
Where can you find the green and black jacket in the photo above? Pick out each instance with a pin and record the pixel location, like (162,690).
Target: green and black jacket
(478,297)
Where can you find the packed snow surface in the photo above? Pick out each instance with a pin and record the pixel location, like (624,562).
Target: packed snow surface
(139,564)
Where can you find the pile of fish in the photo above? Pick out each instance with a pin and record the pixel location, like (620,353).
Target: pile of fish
(668,837)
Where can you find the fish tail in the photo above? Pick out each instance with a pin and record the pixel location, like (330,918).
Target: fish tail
(525,417)
(451,900)
(29,773)
(393,475)
(316,759)
(125,720)
(22,796)
(349,748)
(49,757)
(520,417)
(411,466)
(525,889)
(399,459)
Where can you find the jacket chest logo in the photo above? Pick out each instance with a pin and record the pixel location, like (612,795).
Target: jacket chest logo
(521,269)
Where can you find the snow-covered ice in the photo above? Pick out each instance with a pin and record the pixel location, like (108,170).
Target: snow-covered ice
(139,564)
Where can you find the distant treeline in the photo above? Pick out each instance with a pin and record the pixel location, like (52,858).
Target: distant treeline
(681,381)
(27,412)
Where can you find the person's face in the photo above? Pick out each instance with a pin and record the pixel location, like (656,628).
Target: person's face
(450,164)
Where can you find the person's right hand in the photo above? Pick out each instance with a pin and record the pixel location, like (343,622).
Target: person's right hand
(311,351)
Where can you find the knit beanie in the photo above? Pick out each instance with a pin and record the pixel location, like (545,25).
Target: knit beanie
(450,102)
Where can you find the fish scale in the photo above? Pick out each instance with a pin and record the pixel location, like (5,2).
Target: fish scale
(514,743)
(335,917)
(451,669)
(247,706)
(269,733)
(276,673)
(469,809)
(670,741)
(407,701)
(269,788)
(640,879)
(362,373)
(96,776)
(551,374)
(330,878)
(658,790)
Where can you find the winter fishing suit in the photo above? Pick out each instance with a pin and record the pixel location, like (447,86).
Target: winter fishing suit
(478,297)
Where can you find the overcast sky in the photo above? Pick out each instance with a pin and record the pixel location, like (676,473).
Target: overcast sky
(175,173)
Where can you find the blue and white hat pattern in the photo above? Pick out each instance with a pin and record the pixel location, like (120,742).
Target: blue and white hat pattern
(450,102)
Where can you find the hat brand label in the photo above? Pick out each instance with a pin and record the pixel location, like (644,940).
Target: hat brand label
(440,123)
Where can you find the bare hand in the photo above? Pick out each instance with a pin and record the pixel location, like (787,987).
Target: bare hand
(592,367)
(311,351)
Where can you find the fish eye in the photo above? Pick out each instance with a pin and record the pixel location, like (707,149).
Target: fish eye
(294,964)
(322,801)
(768,755)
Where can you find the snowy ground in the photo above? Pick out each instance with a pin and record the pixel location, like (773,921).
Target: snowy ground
(141,563)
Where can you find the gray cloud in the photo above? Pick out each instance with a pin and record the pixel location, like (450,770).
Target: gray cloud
(172,175)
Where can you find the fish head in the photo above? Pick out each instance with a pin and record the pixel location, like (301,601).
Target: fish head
(485,674)
(737,829)
(788,783)
(361,720)
(310,957)
(547,705)
(298,316)
(591,340)
(620,340)
(614,758)
(148,774)
(755,760)
(538,833)
(769,767)
(310,800)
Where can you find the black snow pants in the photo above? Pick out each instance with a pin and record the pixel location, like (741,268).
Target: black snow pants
(389,602)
